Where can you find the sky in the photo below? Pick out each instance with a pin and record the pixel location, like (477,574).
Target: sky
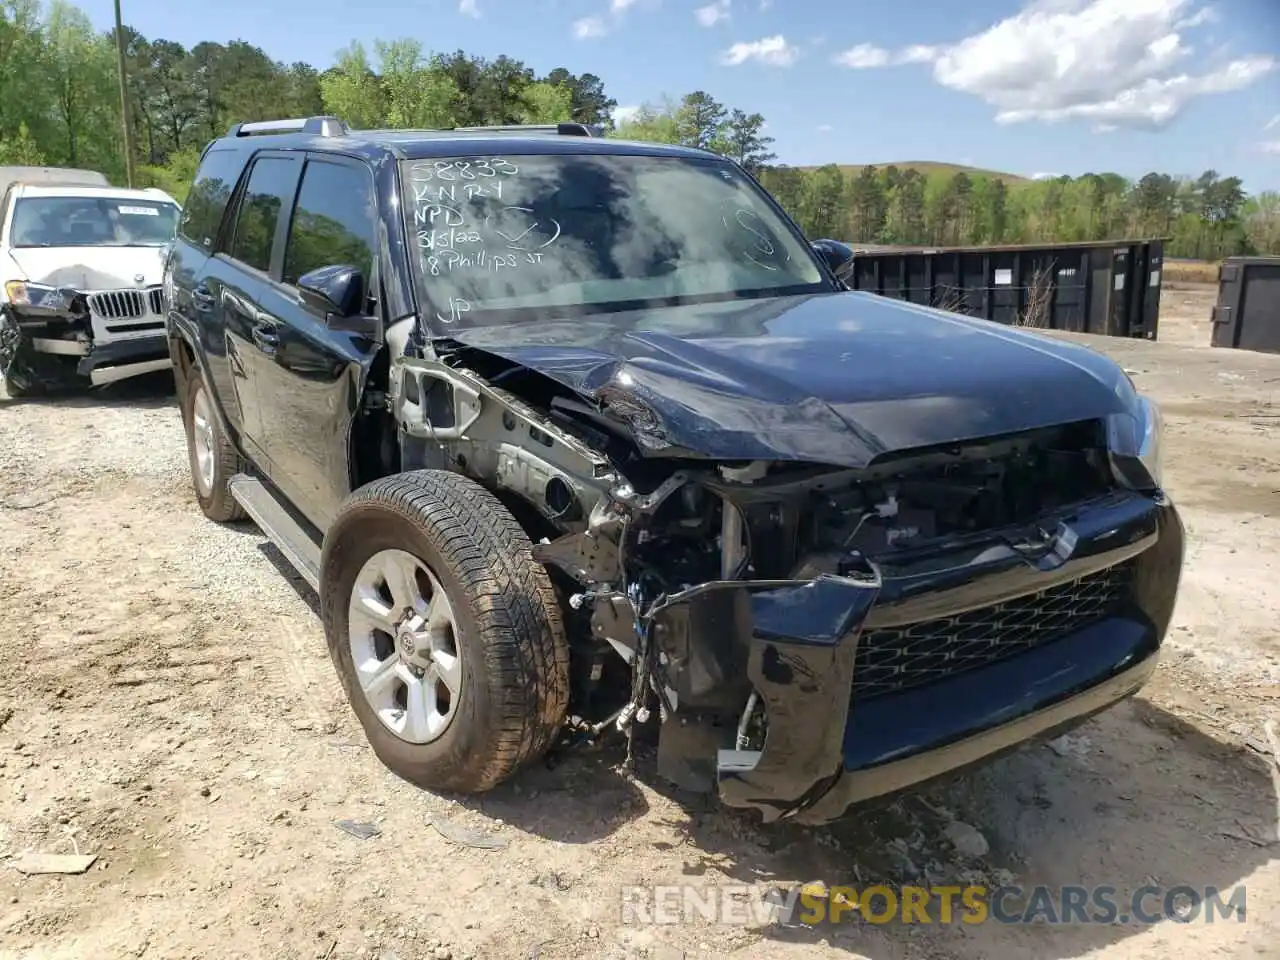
(1034,87)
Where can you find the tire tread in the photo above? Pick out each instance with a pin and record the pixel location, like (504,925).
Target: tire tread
(516,611)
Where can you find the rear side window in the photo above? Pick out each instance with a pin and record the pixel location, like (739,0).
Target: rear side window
(333,222)
(210,193)
(270,190)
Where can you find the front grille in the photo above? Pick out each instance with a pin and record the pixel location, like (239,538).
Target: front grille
(127,304)
(893,659)
(118,304)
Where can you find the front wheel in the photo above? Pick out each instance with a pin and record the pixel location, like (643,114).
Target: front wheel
(446,633)
(17,386)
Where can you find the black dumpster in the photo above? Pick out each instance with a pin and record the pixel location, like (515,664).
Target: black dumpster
(1110,288)
(1248,311)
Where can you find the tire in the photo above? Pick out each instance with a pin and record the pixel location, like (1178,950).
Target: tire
(507,632)
(17,387)
(212,487)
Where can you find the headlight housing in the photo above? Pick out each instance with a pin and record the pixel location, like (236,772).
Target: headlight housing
(1134,443)
(20,293)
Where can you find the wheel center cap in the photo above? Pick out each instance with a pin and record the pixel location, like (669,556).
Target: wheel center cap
(408,643)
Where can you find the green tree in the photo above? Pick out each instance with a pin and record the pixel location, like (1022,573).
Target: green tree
(547,103)
(175,95)
(1262,223)
(868,205)
(304,90)
(254,87)
(700,121)
(20,149)
(744,140)
(588,101)
(499,95)
(416,94)
(655,124)
(905,222)
(25,94)
(786,184)
(79,72)
(822,203)
(351,90)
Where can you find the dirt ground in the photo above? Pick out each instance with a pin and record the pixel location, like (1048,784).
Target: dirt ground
(166,702)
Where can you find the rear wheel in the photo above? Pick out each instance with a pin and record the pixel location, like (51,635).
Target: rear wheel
(213,459)
(445,632)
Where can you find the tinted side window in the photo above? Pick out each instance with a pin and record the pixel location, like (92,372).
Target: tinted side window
(270,190)
(333,222)
(210,191)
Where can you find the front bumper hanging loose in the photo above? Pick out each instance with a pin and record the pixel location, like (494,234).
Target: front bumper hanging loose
(797,643)
(43,347)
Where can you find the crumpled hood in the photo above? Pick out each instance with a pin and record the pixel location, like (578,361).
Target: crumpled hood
(833,378)
(91,268)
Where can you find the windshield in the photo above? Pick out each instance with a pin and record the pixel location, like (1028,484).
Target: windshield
(92,222)
(497,237)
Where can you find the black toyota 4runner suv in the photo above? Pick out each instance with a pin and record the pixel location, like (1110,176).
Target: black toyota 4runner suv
(572,434)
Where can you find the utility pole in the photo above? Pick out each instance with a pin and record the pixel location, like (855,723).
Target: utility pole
(124,100)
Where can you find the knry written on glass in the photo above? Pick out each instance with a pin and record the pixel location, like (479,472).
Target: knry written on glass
(496,234)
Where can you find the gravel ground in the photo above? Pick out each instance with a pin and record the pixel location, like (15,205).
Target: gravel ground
(167,704)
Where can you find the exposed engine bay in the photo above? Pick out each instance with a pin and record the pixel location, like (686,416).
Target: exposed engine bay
(638,539)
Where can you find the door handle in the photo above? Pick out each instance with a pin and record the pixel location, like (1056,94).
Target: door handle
(202,299)
(266,338)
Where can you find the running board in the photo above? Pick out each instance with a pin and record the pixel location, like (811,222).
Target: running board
(302,552)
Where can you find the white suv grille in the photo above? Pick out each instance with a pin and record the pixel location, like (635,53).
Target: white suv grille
(128,312)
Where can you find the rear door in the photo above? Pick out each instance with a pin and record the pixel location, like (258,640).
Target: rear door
(191,305)
(311,390)
(237,285)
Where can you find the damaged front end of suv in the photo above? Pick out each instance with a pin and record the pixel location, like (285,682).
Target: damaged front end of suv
(824,599)
(44,330)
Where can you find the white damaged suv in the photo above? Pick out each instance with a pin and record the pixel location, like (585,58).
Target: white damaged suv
(81,264)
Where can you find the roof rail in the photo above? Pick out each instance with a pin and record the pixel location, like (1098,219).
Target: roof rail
(559,129)
(317,126)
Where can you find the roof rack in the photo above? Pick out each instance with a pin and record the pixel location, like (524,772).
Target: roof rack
(559,129)
(317,126)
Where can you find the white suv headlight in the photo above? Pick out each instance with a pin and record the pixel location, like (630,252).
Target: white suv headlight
(23,294)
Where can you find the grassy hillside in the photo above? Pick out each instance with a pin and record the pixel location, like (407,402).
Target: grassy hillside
(929,167)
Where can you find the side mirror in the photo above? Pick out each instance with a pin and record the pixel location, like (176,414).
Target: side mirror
(837,256)
(337,293)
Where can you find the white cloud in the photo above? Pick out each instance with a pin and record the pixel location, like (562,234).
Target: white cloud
(917,53)
(765,4)
(625,114)
(867,56)
(1274,121)
(589,27)
(773,51)
(1045,176)
(825,128)
(1270,146)
(1199,18)
(597,26)
(713,13)
(469,8)
(863,57)
(1116,63)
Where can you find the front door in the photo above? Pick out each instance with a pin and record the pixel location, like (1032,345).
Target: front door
(309,393)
